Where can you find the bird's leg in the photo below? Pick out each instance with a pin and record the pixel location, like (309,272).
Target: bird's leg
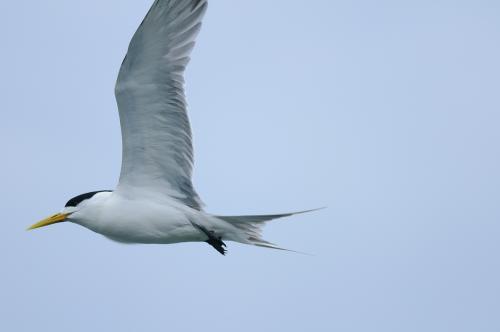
(217,243)
(213,240)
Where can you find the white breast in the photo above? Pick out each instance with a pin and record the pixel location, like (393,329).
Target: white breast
(141,219)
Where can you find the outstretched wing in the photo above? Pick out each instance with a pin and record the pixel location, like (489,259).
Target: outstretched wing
(156,135)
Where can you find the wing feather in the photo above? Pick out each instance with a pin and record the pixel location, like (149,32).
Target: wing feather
(156,134)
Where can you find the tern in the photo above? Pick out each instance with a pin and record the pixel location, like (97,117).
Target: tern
(155,201)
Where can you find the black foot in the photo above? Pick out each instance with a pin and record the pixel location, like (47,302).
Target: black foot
(217,244)
(213,240)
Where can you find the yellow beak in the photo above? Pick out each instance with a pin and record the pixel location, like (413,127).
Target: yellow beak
(58,217)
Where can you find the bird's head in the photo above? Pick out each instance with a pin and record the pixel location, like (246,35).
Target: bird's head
(72,206)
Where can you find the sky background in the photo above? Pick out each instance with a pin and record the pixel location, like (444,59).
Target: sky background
(386,112)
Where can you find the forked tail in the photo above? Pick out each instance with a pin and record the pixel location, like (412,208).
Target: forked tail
(251,227)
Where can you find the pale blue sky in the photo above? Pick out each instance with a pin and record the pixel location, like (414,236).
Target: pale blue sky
(387,112)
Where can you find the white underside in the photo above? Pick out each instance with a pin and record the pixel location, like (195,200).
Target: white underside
(149,218)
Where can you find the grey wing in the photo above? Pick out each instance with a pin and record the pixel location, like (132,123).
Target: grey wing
(156,134)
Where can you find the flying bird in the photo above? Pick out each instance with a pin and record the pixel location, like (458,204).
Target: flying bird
(155,201)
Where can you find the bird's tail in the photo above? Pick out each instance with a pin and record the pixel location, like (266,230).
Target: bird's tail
(250,227)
